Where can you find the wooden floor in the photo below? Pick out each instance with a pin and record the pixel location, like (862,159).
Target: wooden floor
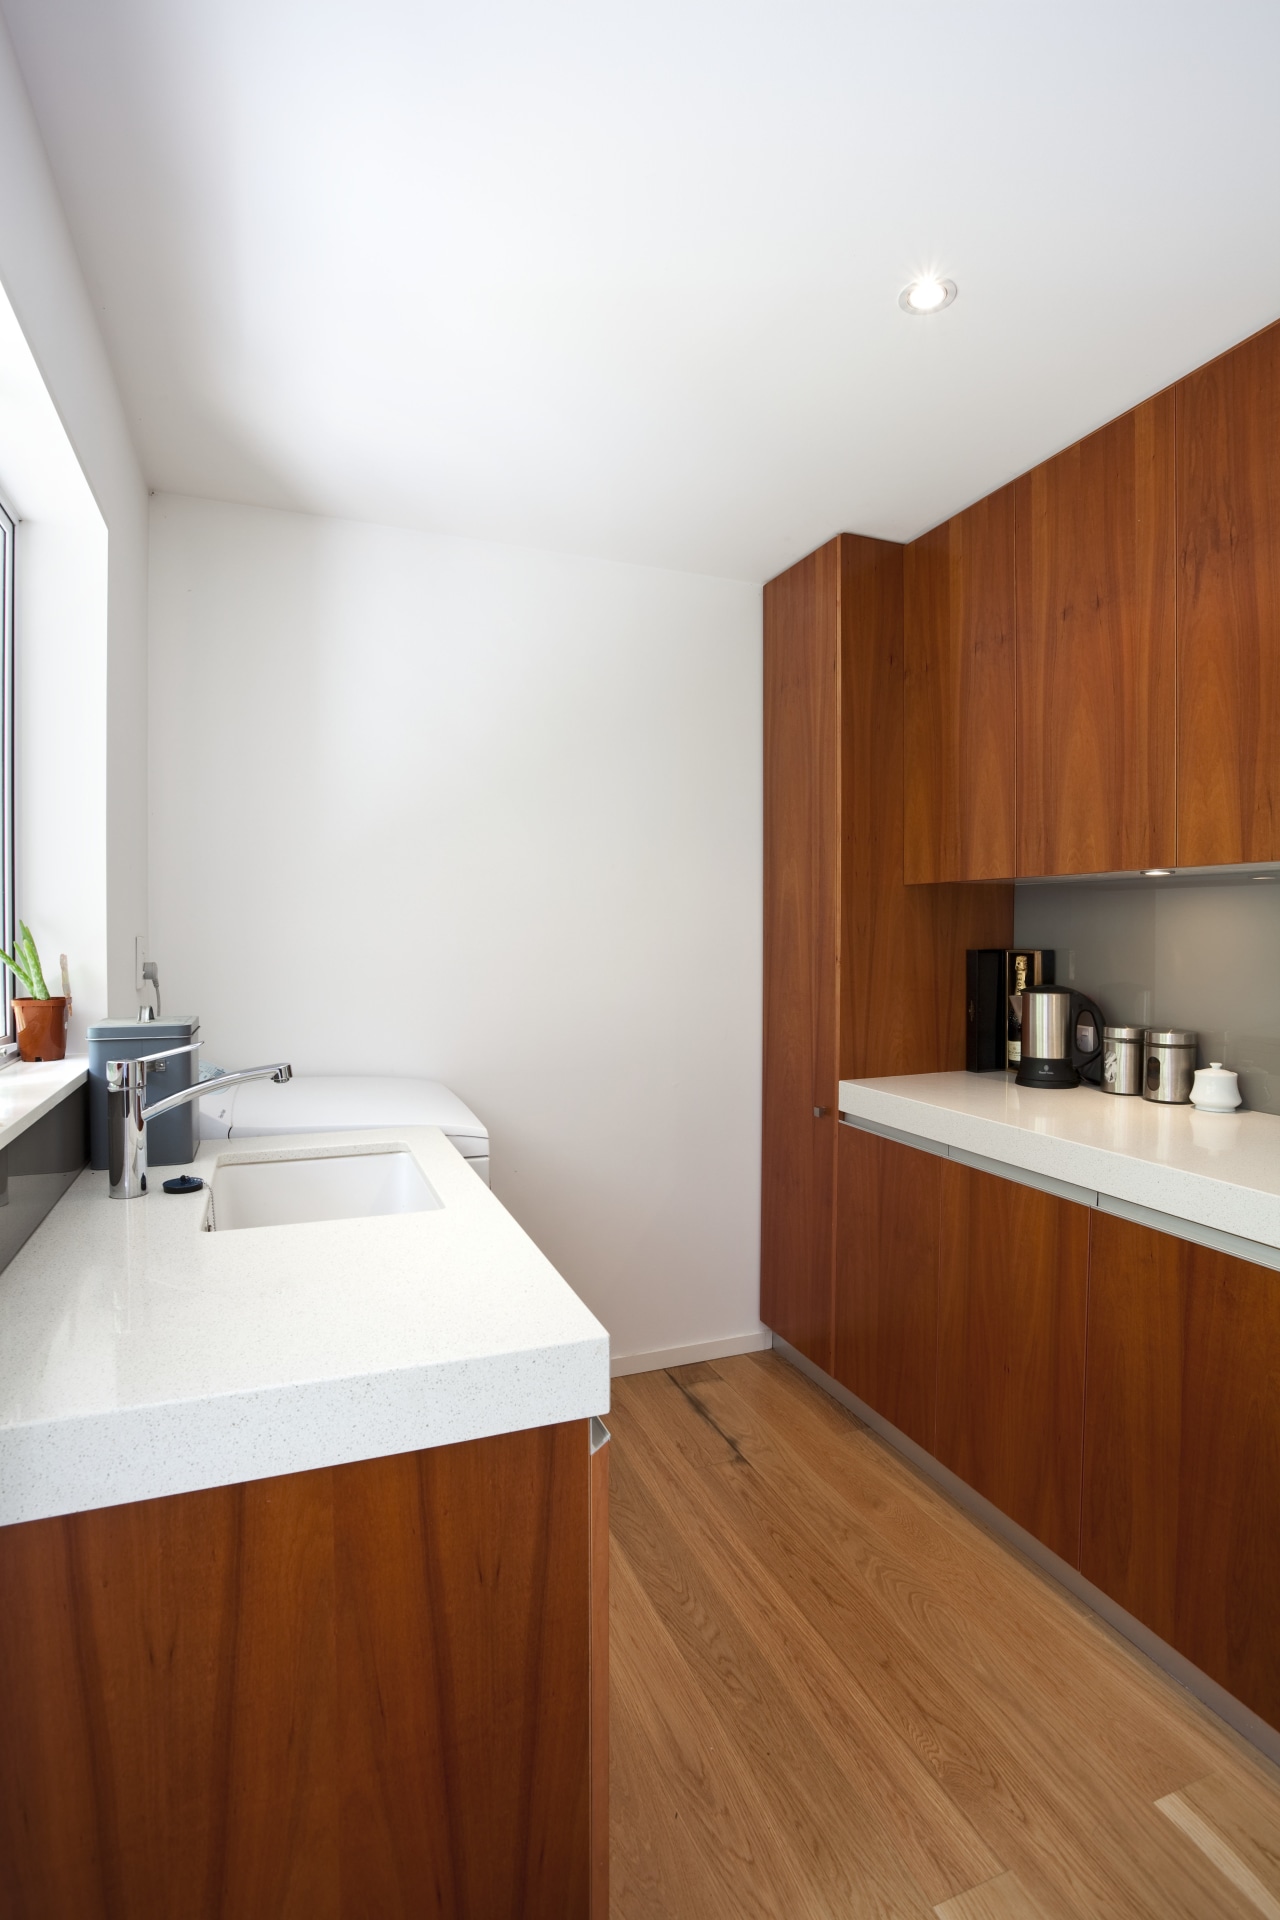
(835,1694)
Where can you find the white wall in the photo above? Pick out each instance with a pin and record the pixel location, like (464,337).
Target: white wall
(82,872)
(429,806)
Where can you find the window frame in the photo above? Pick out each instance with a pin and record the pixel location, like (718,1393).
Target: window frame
(8,919)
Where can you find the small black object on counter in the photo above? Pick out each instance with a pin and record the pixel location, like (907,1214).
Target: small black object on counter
(185,1183)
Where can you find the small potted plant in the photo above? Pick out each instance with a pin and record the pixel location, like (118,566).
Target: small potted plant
(41,1016)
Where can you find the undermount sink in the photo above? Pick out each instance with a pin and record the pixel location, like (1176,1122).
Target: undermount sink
(339,1186)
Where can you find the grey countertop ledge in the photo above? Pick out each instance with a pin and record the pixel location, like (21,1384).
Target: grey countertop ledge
(1214,1175)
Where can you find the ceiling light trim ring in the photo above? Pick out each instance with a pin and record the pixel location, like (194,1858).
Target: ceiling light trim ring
(925,313)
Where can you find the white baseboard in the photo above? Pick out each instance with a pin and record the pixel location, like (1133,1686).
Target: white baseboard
(756,1342)
(1241,1719)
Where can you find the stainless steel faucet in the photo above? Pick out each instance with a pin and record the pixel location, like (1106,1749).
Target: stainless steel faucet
(127,1117)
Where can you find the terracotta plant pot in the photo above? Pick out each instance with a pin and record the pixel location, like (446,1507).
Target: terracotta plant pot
(42,1028)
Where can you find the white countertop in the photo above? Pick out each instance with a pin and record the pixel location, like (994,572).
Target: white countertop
(1221,1171)
(30,1089)
(140,1356)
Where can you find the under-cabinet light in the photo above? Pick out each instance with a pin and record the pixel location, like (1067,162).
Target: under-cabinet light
(1156,873)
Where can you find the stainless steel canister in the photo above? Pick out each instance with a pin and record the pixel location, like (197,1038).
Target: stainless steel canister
(1122,1059)
(1169,1065)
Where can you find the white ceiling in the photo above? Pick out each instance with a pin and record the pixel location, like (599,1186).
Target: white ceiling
(624,280)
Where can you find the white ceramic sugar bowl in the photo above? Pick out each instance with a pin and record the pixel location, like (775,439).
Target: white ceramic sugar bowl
(1215,1089)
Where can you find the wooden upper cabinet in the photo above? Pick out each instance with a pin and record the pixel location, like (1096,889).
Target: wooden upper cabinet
(960,722)
(1095,538)
(1228,433)
(801,958)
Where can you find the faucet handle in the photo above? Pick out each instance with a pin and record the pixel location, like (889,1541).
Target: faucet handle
(148,1059)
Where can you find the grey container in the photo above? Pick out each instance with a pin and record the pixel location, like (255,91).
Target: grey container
(1122,1059)
(173,1138)
(1169,1068)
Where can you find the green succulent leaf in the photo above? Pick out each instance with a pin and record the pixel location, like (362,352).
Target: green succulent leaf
(34,973)
(18,971)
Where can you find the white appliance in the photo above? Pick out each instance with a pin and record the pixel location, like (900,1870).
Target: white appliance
(336,1103)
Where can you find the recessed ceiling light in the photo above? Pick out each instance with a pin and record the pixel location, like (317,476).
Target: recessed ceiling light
(927,296)
(1156,873)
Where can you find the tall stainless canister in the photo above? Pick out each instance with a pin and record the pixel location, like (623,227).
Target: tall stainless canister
(1122,1059)
(1169,1066)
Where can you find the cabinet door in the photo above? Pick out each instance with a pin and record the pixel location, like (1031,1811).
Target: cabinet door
(1228,1612)
(959,647)
(1228,433)
(801,890)
(1012,1286)
(1133,1418)
(1181,1506)
(887,1278)
(1095,535)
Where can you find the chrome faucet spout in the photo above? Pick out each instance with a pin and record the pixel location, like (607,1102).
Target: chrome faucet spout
(127,1117)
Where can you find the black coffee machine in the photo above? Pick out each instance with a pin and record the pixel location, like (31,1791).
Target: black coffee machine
(1061,1038)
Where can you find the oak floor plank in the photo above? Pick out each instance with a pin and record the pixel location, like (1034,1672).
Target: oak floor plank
(862,1578)
(1247,1819)
(724,1856)
(1210,1843)
(1004,1898)
(852,1795)
(986,1605)
(915,1702)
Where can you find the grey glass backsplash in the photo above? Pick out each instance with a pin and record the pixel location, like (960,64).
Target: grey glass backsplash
(1173,953)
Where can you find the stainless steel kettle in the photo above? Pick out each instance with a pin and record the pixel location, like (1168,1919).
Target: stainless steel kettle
(1061,1038)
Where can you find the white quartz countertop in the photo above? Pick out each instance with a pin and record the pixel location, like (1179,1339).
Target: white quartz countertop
(1220,1171)
(141,1356)
(30,1089)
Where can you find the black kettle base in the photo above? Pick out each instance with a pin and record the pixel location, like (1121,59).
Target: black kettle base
(1046,1073)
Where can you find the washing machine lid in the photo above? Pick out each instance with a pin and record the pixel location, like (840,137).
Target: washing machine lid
(325,1103)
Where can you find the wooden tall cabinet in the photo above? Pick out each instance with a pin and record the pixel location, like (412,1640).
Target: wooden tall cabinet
(801,948)
(1228,451)
(864,974)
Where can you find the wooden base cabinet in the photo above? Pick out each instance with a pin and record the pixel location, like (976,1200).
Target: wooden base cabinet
(1012,1289)
(1181,1489)
(364,1691)
(886,1346)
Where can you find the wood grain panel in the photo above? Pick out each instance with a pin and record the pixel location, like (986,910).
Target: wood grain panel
(1228,1620)
(1228,449)
(599,1901)
(886,1344)
(464,1708)
(1133,1418)
(902,970)
(1012,1291)
(959,688)
(187,1727)
(801,932)
(1095,533)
